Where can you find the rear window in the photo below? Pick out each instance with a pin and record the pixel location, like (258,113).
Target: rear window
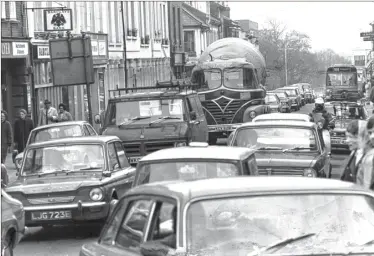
(58,132)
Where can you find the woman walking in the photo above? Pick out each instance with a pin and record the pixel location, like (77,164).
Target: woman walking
(6,135)
(63,114)
(22,129)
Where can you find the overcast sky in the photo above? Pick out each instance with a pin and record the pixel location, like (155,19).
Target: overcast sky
(335,25)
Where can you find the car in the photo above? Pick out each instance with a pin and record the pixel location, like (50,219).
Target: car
(274,103)
(197,161)
(301,87)
(286,102)
(71,180)
(154,119)
(294,95)
(343,113)
(309,96)
(286,148)
(240,216)
(12,223)
(56,131)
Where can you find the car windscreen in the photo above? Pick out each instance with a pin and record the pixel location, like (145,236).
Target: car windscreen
(239,225)
(56,132)
(207,78)
(282,95)
(341,79)
(185,170)
(266,137)
(290,92)
(239,78)
(271,99)
(145,111)
(62,158)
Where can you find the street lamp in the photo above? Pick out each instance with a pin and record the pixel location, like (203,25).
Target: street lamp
(285,56)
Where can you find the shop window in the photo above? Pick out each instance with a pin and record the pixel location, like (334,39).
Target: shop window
(43,73)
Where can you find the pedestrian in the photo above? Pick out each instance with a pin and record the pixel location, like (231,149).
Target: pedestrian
(4,176)
(48,114)
(63,114)
(350,169)
(365,174)
(22,129)
(6,135)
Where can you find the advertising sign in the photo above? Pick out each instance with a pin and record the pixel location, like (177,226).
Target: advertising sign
(369,38)
(20,48)
(43,52)
(365,34)
(5,48)
(58,20)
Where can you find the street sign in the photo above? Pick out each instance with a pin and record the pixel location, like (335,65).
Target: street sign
(369,38)
(71,65)
(365,34)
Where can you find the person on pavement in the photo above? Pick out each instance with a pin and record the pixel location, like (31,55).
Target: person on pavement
(22,129)
(48,114)
(63,115)
(6,135)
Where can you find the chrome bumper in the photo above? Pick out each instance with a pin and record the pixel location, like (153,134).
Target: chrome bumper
(78,205)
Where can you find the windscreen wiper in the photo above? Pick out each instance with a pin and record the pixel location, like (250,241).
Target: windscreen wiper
(281,244)
(269,148)
(161,119)
(133,120)
(296,148)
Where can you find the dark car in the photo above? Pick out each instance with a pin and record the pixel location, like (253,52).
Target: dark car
(240,216)
(343,113)
(197,161)
(286,148)
(301,90)
(286,101)
(294,95)
(71,180)
(153,120)
(274,103)
(57,131)
(12,223)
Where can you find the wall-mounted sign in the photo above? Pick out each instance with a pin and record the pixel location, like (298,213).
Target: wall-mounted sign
(95,47)
(43,52)
(102,48)
(5,48)
(20,48)
(58,20)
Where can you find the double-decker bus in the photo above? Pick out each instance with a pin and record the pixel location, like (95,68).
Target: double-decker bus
(342,83)
(229,78)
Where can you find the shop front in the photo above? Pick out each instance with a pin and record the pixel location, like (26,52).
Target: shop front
(15,73)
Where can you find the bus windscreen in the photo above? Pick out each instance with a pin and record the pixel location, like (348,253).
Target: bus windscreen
(341,79)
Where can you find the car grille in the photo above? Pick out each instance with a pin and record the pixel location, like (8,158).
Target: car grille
(51,200)
(279,172)
(338,134)
(229,109)
(144,148)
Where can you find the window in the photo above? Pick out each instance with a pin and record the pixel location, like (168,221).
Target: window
(86,131)
(12,10)
(3,14)
(189,41)
(113,159)
(145,18)
(43,73)
(91,130)
(89,16)
(164,20)
(131,231)
(123,162)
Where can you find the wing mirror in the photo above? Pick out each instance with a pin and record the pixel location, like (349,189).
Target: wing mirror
(97,119)
(193,115)
(107,173)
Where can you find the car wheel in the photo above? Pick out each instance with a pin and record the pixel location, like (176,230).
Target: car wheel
(330,171)
(7,246)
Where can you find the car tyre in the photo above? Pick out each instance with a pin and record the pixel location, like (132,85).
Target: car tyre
(7,246)
(330,171)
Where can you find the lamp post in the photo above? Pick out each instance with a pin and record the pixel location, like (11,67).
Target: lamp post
(285,57)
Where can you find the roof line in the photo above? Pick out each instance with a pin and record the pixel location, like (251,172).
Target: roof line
(196,18)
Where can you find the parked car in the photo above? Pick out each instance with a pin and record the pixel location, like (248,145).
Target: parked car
(240,216)
(294,95)
(152,120)
(285,100)
(343,113)
(71,180)
(12,223)
(301,90)
(274,103)
(286,148)
(56,131)
(197,161)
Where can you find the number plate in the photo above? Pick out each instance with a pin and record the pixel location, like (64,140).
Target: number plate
(134,160)
(51,215)
(338,141)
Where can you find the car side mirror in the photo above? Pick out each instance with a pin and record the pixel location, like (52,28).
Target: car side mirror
(193,115)
(97,119)
(107,173)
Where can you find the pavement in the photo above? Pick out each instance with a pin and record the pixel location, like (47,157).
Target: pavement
(67,241)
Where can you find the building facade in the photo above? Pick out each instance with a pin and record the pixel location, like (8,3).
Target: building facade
(145,39)
(360,58)
(15,59)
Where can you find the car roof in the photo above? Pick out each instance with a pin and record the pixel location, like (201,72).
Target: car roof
(74,140)
(285,123)
(233,185)
(61,124)
(153,94)
(277,116)
(209,152)
(287,88)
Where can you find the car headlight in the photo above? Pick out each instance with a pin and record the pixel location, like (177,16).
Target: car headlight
(96,194)
(180,144)
(252,114)
(310,173)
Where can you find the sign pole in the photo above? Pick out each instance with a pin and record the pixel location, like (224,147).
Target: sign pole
(124,43)
(88,86)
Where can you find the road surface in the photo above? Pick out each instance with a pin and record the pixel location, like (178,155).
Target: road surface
(67,241)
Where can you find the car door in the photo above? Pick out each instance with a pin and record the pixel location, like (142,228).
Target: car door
(326,155)
(203,126)
(193,122)
(122,174)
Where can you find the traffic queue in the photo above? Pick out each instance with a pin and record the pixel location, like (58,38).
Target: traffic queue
(155,184)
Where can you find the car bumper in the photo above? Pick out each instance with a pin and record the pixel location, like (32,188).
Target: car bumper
(339,143)
(222,130)
(80,212)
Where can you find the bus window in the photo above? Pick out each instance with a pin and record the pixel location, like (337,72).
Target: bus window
(240,78)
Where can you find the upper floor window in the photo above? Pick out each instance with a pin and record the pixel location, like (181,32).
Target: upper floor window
(12,14)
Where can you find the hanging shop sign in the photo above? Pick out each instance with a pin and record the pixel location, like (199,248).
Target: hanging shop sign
(58,20)
(43,52)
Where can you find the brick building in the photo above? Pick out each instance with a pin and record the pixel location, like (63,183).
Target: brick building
(15,60)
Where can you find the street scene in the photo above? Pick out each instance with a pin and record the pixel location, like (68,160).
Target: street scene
(187,128)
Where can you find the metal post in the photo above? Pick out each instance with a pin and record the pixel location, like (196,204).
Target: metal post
(34,104)
(124,42)
(88,86)
(285,62)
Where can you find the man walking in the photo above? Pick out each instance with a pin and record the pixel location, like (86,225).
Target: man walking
(48,114)
(22,129)
(6,135)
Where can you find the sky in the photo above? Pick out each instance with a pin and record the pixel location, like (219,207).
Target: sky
(334,25)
